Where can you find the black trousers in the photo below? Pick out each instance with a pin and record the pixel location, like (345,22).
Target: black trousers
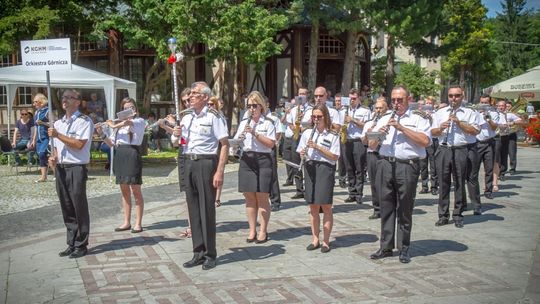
(503,153)
(473,186)
(342,167)
(201,196)
(180,167)
(71,190)
(512,151)
(355,159)
(289,153)
(451,165)
(428,171)
(372,159)
(485,156)
(397,190)
(275,194)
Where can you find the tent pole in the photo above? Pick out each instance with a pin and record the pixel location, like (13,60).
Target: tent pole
(51,118)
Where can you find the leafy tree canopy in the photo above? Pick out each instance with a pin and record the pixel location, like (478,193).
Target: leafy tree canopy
(418,80)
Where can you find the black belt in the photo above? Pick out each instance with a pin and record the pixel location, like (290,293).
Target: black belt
(485,141)
(199,156)
(454,147)
(391,159)
(373,152)
(255,153)
(354,140)
(64,166)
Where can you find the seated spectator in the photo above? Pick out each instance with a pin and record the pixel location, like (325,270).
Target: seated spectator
(153,132)
(23,127)
(94,105)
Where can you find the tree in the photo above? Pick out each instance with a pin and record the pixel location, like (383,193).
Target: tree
(405,22)
(418,80)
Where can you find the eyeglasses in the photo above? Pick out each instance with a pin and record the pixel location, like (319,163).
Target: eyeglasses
(252,105)
(316,96)
(210,103)
(397,100)
(316,116)
(193,93)
(24,114)
(454,95)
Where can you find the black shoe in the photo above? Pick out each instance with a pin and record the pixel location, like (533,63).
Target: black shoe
(381,253)
(67,252)
(136,230)
(287,184)
(434,191)
(359,200)
(208,263)
(512,172)
(297,196)
(275,207)
(311,247)
(342,184)
(458,223)
(441,222)
(404,257)
(262,241)
(325,249)
(424,191)
(502,178)
(374,216)
(196,260)
(350,199)
(488,195)
(78,252)
(248,240)
(477,212)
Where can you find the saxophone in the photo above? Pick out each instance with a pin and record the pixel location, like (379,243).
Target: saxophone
(343,133)
(297,123)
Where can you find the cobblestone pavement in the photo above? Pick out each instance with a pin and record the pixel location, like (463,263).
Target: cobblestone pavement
(494,259)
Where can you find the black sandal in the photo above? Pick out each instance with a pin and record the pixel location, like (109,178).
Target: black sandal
(218,203)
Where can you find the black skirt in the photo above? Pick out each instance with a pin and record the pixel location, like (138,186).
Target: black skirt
(127,165)
(255,173)
(319,178)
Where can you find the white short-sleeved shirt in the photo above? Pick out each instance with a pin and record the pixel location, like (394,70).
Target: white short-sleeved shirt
(265,126)
(485,130)
(359,113)
(370,123)
(456,136)
(400,146)
(502,119)
(277,122)
(121,135)
(329,140)
(77,126)
(291,118)
(202,132)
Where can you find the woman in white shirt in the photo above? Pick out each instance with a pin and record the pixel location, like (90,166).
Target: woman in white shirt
(258,136)
(127,137)
(319,148)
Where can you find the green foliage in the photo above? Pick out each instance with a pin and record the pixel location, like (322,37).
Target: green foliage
(378,69)
(418,80)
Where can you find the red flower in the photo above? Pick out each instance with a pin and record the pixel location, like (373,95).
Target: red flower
(172,59)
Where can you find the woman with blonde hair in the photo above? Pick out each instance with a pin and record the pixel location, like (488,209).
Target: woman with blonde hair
(127,137)
(258,135)
(40,139)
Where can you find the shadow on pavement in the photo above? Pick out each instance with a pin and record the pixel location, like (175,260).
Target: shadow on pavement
(426,201)
(475,219)
(289,233)
(350,240)
(431,247)
(166,225)
(350,207)
(128,243)
(231,226)
(417,211)
(239,254)
(491,206)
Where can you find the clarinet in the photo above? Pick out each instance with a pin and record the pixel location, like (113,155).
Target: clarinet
(445,141)
(303,160)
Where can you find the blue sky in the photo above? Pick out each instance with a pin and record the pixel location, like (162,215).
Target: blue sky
(494,6)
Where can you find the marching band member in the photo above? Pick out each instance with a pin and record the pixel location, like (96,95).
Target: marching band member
(275,193)
(127,138)
(486,146)
(408,134)
(505,121)
(456,127)
(202,129)
(259,135)
(319,148)
(514,122)
(355,151)
(381,109)
(342,168)
(428,171)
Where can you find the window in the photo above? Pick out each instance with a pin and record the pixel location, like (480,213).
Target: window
(25,96)
(5,60)
(3,95)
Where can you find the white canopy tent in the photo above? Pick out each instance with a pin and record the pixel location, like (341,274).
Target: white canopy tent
(526,86)
(77,78)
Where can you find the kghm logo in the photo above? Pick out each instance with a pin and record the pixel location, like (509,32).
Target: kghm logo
(38,49)
(26,50)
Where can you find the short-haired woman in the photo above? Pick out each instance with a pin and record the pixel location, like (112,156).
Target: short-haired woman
(258,136)
(41,138)
(319,147)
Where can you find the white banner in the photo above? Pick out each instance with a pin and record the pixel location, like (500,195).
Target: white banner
(49,54)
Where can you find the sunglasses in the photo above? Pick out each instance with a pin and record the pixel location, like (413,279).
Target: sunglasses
(252,105)
(318,95)
(454,95)
(24,114)
(397,100)
(316,116)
